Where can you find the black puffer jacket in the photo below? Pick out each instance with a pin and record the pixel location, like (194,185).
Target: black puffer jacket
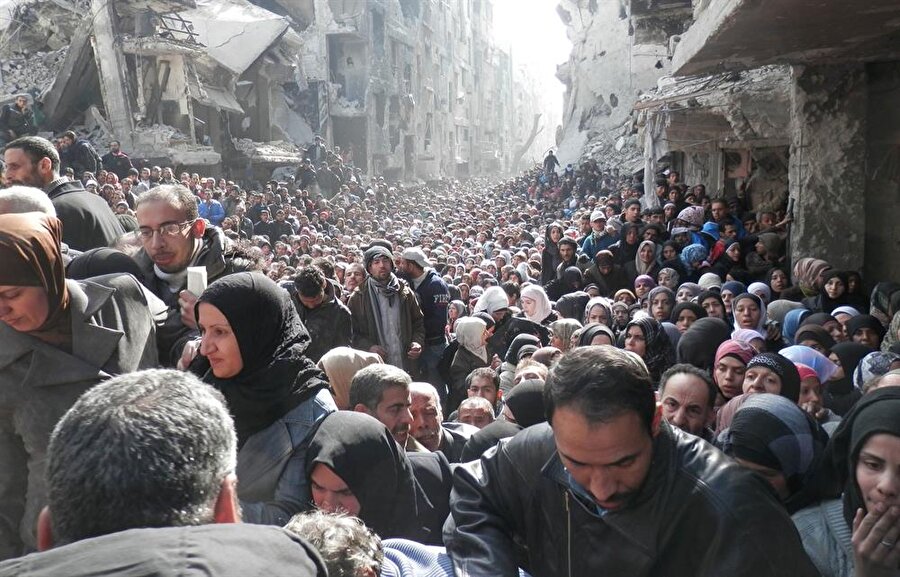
(697,514)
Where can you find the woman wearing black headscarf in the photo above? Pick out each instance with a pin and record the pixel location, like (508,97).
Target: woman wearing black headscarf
(508,367)
(774,437)
(596,334)
(699,344)
(832,293)
(625,249)
(252,351)
(853,532)
(59,338)
(840,394)
(646,337)
(355,466)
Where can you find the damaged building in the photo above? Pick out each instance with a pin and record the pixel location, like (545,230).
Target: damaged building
(776,99)
(409,89)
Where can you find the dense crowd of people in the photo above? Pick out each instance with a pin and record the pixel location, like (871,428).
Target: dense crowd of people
(560,373)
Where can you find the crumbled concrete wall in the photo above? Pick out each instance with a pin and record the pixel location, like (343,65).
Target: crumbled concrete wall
(608,69)
(828,163)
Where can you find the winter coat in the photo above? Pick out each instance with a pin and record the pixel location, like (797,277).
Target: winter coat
(214,550)
(697,513)
(87,220)
(365,331)
(113,332)
(329,324)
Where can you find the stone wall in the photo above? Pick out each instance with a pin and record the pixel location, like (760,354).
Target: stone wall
(614,59)
(882,203)
(828,163)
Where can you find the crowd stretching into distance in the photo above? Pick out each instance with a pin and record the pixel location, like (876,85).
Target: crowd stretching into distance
(557,374)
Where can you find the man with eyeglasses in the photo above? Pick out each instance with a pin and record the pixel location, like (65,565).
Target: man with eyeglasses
(174,237)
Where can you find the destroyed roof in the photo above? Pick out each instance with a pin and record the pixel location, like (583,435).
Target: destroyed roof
(235,32)
(214,96)
(691,91)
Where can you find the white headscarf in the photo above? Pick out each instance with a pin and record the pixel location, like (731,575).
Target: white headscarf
(542,302)
(494,299)
(469,331)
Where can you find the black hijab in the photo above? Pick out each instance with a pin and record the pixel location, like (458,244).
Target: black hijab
(863,322)
(526,402)
(591,330)
(698,345)
(571,306)
(786,371)
(363,453)
(276,376)
(877,412)
(659,354)
(512,353)
(101,261)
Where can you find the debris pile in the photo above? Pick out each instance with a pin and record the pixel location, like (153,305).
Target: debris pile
(277,152)
(30,72)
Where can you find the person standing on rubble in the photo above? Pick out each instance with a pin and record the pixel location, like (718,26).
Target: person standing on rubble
(117,161)
(78,154)
(16,119)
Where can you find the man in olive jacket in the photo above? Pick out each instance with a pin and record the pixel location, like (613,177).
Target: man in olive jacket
(609,488)
(387,319)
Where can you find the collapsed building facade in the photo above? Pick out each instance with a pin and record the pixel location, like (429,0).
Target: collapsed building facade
(774,99)
(408,89)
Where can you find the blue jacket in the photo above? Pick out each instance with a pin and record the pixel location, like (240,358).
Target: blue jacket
(592,245)
(271,465)
(212,211)
(434,297)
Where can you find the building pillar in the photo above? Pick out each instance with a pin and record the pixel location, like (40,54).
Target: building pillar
(827,166)
(883,185)
(112,70)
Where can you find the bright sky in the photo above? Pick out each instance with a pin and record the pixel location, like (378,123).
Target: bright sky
(537,37)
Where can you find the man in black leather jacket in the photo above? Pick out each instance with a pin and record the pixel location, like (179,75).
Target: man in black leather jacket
(609,488)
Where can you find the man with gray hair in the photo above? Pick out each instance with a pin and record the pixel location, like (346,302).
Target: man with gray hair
(382,391)
(428,427)
(141,481)
(18,199)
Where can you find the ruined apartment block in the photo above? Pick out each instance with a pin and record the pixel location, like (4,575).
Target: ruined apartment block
(408,89)
(774,100)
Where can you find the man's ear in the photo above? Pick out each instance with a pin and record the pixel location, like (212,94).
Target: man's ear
(361,408)
(44,530)
(657,419)
(198,228)
(227,509)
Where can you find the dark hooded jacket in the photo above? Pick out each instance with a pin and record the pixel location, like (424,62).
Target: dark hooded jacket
(329,324)
(550,258)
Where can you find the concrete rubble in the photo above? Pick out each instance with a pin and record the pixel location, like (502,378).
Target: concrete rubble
(412,89)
